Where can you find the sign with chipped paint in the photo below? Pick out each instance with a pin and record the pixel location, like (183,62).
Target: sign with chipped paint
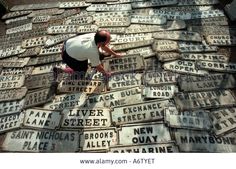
(30,52)
(87,28)
(187,47)
(205,100)
(98,139)
(126,80)
(144,134)
(208,82)
(20,62)
(9,122)
(51,50)
(41,19)
(105,7)
(53,40)
(38,97)
(16,50)
(22,28)
(124,64)
(152,19)
(221,40)
(61,29)
(12,94)
(40,80)
(153,3)
(160,78)
(217,66)
(223,120)
(143,51)
(26,140)
(207,14)
(149,148)
(160,92)
(81,20)
(11,81)
(198,119)
(195,141)
(43,12)
(86,118)
(32,42)
(165,45)
(214,57)
(11,107)
(113,21)
(39,118)
(178,35)
(74,4)
(15,14)
(132,45)
(127,38)
(167,56)
(66,101)
(116,98)
(142,112)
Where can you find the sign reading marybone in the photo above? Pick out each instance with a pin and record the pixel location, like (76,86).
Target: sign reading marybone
(25,140)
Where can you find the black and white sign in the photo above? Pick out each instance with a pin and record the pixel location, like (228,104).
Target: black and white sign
(51,41)
(47,68)
(41,19)
(98,1)
(160,92)
(221,40)
(153,3)
(132,45)
(165,45)
(34,6)
(188,47)
(114,30)
(20,62)
(207,14)
(217,66)
(143,51)
(12,94)
(43,12)
(105,7)
(214,57)
(30,52)
(127,38)
(197,2)
(81,20)
(61,29)
(170,15)
(167,56)
(15,21)
(22,28)
(16,50)
(87,28)
(38,81)
(159,78)
(17,71)
(15,14)
(152,64)
(152,20)
(74,4)
(113,21)
(32,42)
(11,107)
(11,81)
(44,59)
(51,50)
(9,122)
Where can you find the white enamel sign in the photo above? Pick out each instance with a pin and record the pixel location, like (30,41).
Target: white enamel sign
(217,66)
(214,57)
(22,28)
(165,45)
(11,107)
(153,20)
(105,7)
(12,94)
(160,78)
(160,92)
(9,122)
(51,41)
(11,81)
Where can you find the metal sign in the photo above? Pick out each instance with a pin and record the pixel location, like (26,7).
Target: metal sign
(170,15)
(41,19)
(197,2)
(86,118)
(149,148)
(187,47)
(217,66)
(198,119)
(30,52)
(16,71)
(38,81)
(25,140)
(160,92)
(81,20)
(32,42)
(216,21)
(113,21)
(11,81)
(223,120)
(195,141)
(143,51)
(178,35)
(214,57)
(207,14)
(34,6)
(209,82)
(142,112)
(12,21)
(66,101)
(114,30)
(165,45)
(11,107)
(167,56)
(105,7)
(61,29)
(72,4)
(116,98)
(160,78)
(12,94)
(44,59)
(111,14)
(153,20)
(20,62)
(124,64)
(221,40)
(47,68)
(53,40)
(9,122)
(51,50)
(22,28)
(153,3)
(205,100)
(16,50)
(87,28)
(127,38)
(38,97)
(132,45)
(39,118)
(144,134)
(52,11)
(15,14)
(126,80)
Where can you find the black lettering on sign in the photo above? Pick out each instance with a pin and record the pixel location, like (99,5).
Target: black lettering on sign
(32,42)
(151,148)
(20,62)
(127,38)
(197,2)
(17,71)
(38,81)
(153,3)
(98,139)
(139,19)
(160,78)
(11,107)
(144,51)
(191,47)
(52,11)
(160,92)
(41,141)
(133,113)
(57,39)
(62,29)
(22,28)
(207,14)
(170,15)
(216,66)
(51,50)
(165,46)
(15,50)
(31,52)
(132,45)
(215,57)
(11,121)
(113,21)
(11,81)
(194,141)
(12,94)
(81,20)
(144,134)
(73,4)
(105,7)
(15,14)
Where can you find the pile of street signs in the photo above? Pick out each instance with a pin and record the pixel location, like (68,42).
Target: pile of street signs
(172,91)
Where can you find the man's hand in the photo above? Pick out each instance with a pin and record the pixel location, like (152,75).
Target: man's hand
(118,55)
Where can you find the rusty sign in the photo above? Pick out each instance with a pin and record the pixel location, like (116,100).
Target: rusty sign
(126,80)
(198,119)
(11,81)
(144,134)
(61,29)
(143,51)
(26,140)
(214,57)
(223,120)
(208,82)
(87,28)
(132,45)
(127,38)
(116,98)
(187,47)
(207,99)
(39,118)
(167,56)
(80,20)
(12,94)
(22,28)
(32,42)
(159,78)
(98,139)
(124,64)
(43,12)
(30,52)
(41,19)
(38,97)
(44,59)
(66,101)
(165,45)
(195,141)
(152,20)
(12,51)
(221,40)
(51,50)
(115,21)
(105,7)
(153,3)
(183,66)
(9,122)
(142,112)
(40,80)
(148,148)
(87,86)
(11,107)
(160,92)
(20,62)
(15,14)
(86,118)
(178,35)
(74,4)
(53,40)
(217,66)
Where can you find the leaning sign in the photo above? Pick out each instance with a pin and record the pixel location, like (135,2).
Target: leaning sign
(217,66)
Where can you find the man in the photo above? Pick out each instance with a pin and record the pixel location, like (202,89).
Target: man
(78,50)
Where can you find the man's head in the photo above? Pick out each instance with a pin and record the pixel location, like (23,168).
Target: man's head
(102,38)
